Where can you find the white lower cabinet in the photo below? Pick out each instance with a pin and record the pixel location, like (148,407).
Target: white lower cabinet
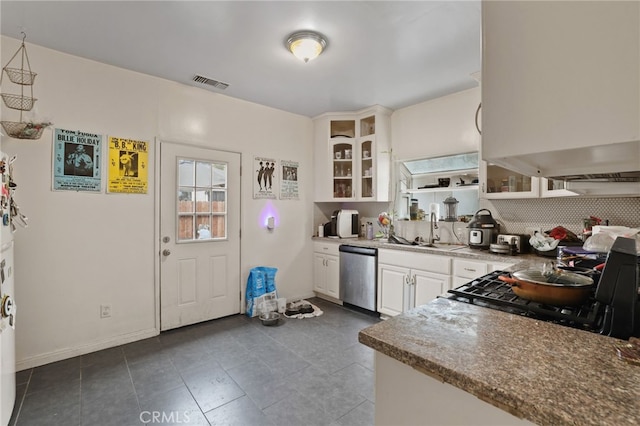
(326,269)
(465,270)
(499,266)
(406,280)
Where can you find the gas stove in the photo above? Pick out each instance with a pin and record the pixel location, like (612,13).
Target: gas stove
(488,291)
(612,309)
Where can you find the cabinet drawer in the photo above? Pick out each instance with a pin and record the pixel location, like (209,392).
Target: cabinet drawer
(326,248)
(469,268)
(458,281)
(497,266)
(422,261)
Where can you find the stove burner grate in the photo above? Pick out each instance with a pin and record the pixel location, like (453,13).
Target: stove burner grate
(490,292)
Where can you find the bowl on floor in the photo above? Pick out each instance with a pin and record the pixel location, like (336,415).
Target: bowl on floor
(270,318)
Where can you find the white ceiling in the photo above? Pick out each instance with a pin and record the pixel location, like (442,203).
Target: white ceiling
(391,53)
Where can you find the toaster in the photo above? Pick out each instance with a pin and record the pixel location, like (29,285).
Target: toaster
(519,242)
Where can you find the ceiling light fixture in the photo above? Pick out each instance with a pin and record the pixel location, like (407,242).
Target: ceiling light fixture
(306,45)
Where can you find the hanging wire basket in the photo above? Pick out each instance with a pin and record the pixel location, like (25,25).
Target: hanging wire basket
(20,76)
(23,103)
(24,77)
(21,130)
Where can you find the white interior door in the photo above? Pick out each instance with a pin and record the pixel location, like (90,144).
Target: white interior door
(200,234)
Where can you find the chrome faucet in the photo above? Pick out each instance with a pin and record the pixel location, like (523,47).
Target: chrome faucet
(433,224)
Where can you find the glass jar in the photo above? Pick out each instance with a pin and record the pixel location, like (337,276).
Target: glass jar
(413,209)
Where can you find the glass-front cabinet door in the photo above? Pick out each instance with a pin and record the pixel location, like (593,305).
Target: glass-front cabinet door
(367,167)
(343,133)
(554,188)
(366,151)
(498,182)
(343,168)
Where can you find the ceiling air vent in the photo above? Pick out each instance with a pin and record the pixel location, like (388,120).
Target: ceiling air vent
(215,83)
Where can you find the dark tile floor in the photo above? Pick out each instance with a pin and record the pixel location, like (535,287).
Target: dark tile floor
(231,371)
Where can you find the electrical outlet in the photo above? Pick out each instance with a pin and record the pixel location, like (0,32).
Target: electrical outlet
(531,230)
(105,311)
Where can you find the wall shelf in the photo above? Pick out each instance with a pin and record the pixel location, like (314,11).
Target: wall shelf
(473,187)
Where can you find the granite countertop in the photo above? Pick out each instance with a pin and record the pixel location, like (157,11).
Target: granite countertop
(543,372)
(453,250)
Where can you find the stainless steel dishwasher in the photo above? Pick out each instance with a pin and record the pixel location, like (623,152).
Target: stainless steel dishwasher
(358,276)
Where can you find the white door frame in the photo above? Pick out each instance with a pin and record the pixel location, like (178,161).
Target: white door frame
(157,231)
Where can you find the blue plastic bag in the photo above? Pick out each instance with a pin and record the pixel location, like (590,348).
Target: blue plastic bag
(261,281)
(270,278)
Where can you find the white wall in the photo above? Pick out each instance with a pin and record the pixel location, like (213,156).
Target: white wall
(82,250)
(438,127)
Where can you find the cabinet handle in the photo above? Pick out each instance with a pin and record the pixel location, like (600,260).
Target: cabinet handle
(478,113)
(414,280)
(470,269)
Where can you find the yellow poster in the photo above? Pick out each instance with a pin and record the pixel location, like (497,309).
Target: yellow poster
(128,165)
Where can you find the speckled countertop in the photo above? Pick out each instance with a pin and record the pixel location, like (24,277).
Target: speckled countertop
(543,372)
(462,251)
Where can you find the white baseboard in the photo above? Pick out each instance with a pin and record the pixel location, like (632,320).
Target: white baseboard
(328,298)
(47,358)
(300,297)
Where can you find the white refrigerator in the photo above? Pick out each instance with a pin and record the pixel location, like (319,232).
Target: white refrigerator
(7,303)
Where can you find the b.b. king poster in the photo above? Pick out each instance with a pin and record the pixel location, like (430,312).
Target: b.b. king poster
(128,165)
(76,161)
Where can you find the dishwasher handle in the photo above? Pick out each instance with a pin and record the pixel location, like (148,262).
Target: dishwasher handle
(366,251)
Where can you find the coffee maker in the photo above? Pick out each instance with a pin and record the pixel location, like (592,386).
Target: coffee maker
(331,227)
(618,290)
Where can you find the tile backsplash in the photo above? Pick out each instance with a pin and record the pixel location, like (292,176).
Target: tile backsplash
(515,216)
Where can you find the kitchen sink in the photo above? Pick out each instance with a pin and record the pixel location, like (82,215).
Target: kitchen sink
(436,246)
(442,246)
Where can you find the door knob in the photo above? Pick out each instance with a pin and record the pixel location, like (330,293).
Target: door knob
(166,252)
(7,308)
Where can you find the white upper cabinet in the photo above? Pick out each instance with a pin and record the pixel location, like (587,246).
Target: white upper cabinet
(561,86)
(352,155)
(499,183)
(438,127)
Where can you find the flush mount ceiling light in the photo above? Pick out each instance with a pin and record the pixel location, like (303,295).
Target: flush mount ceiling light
(306,45)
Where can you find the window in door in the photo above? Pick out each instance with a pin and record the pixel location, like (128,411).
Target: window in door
(202,195)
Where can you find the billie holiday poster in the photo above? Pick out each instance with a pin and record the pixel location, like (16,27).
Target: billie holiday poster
(265,177)
(76,161)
